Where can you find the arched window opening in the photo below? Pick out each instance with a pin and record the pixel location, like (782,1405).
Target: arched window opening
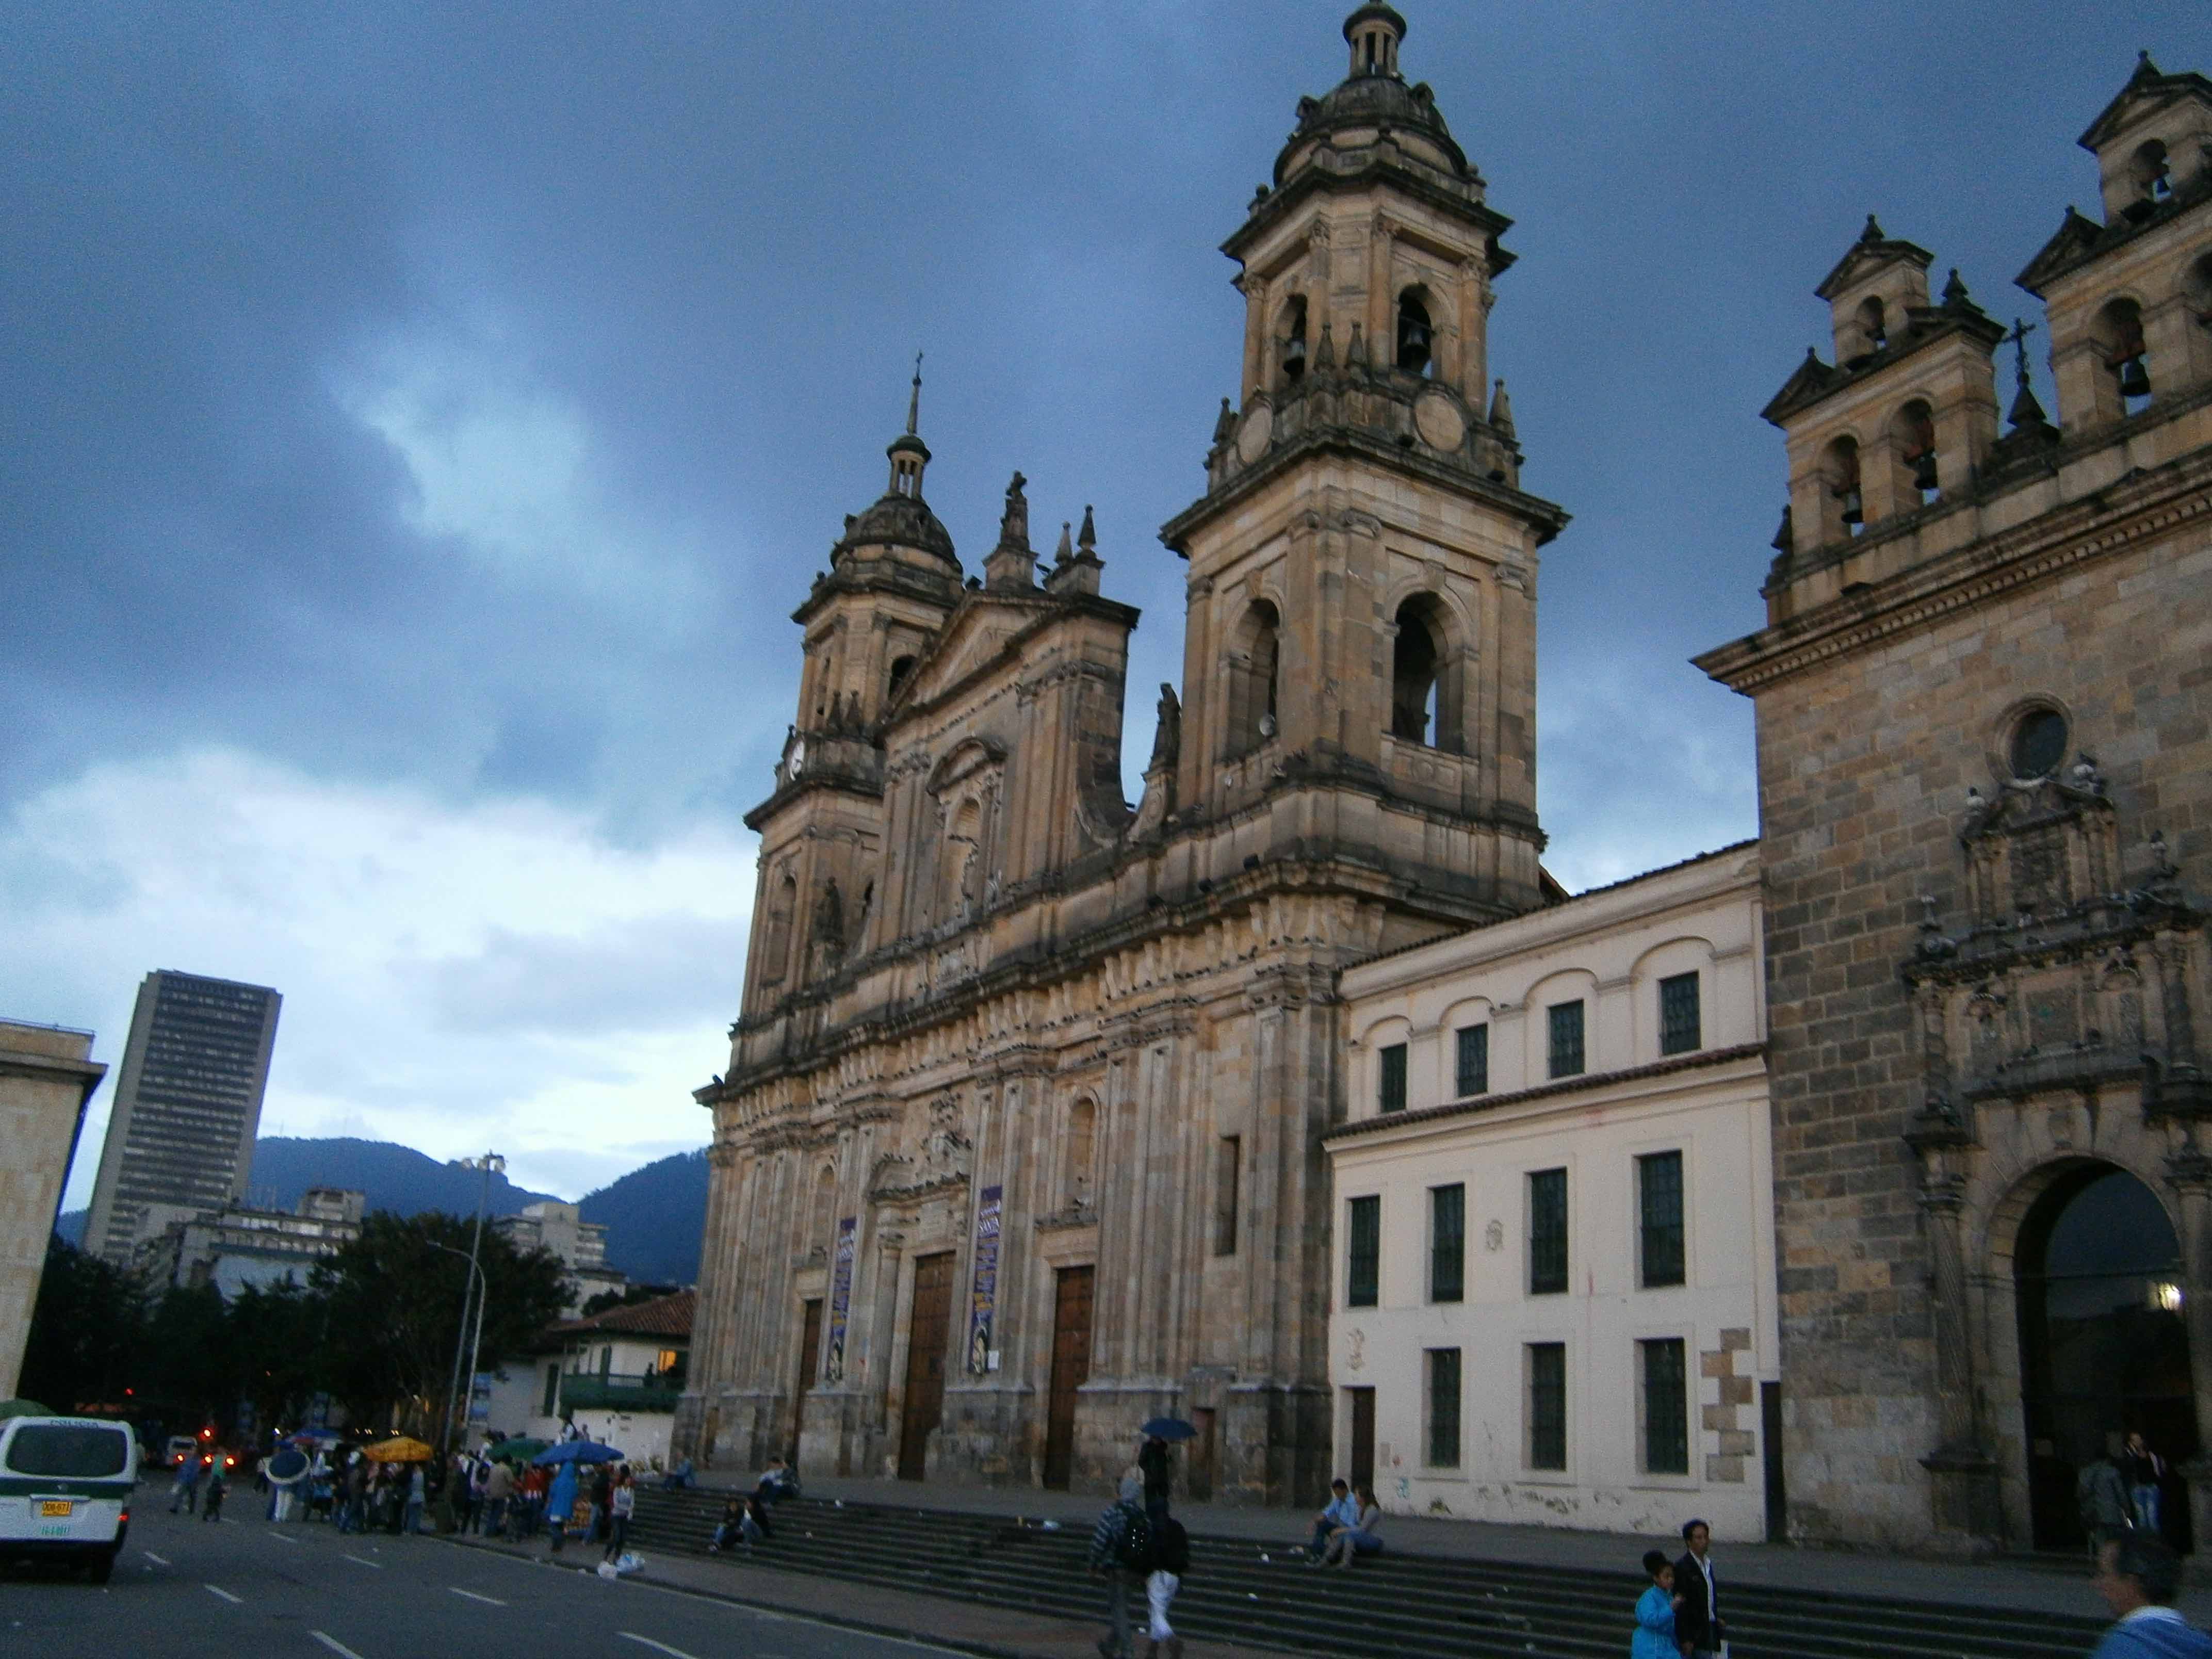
(782,911)
(1256,656)
(1846,503)
(824,1215)
(2104,1348)
(1075,1187)
(2153,176)
(2196,290)
(2118,338)
(962,868)
(1916,448)
(1874,329)
(1291,340)
(1417,662)
(1415,335)
(902,671)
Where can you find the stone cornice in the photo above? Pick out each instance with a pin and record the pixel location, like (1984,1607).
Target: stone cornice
(2139,509)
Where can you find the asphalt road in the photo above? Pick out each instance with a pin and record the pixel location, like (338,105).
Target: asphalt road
(185,1588)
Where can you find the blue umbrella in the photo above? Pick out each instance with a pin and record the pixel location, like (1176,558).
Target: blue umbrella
(578,1451)
(1170,1428)
(287,1466)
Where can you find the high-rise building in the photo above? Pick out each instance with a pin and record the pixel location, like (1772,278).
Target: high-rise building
(187,1103)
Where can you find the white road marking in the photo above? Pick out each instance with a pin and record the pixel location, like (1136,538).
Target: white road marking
(155,1558)
(334,1645)
(281,1538)
(489,1601)
(657,1647)
(214,1590)
(364,1561)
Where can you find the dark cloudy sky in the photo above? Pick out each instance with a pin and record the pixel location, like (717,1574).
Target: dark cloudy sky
(418,422)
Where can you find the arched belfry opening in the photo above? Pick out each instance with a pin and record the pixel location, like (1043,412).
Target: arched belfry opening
(1374,32)
(1291,340)
(2104,1349)
(1255,663)
(1424,675)
(1416,334)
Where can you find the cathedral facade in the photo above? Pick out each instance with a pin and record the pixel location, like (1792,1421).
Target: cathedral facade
(1984,719)
(1021,1138)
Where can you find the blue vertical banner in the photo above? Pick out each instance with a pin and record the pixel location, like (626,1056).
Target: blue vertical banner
(983,1301)
(841,1296)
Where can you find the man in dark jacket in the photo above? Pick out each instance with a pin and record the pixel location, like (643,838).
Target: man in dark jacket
(1110,1558)
(1697,1618)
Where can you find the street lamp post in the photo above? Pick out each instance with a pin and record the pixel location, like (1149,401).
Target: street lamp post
(491,1164)
(474,1286)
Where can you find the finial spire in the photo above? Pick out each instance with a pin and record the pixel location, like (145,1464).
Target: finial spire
(913,403)
(1087,538)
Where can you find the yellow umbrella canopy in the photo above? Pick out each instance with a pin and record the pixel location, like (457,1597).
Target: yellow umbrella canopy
(398,1449)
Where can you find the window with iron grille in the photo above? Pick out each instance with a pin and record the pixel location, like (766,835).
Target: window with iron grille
(1391,1095)
(1364,1256)
(1472,1075)
(1566,1019)
(1547,1232)
(1665,1407)
(1659,1203)
(1444,1409)
(1678,1032)
(1547,1405)
(1447,1242)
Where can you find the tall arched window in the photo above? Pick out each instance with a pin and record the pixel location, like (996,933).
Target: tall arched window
(901,671)
(1078,1168)
(1844,504)
(1415,334)
(2152,174)
(825,1214)
(1873,329)
(1291,340)
(782,909)
(2118,340)
(1913,433)
(1428,677)
(1255,659)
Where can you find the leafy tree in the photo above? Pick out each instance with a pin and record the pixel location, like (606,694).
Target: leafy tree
(85,1330)
(276,1335)
(394,1300)
(185,1358)
(628,1297)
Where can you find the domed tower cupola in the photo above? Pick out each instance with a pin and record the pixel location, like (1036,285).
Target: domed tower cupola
(1374,32)
(901,519)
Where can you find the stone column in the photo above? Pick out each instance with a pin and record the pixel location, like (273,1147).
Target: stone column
(2188,1173)
(1256,299)
(1381,304)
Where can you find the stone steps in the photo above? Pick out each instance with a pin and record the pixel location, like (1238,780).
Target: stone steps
(1396,1604)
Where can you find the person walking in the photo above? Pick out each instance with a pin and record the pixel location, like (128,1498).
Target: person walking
(2145,1471)
(2102,1492)
(1153,1459)
(622,1504)
(418,1495)
(560,1502)
(2138,1575)
(186,1491)
(1170,1566)
(1698,1622)
(1122,1553)
(1655,1611)
(217,1483)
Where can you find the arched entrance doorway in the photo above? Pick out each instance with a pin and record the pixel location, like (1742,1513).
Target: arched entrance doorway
(2103,1348)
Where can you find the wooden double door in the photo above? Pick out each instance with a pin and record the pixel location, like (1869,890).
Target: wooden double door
(929,1334)
(1071,1369)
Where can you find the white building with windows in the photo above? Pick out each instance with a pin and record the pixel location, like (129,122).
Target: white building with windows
(1554,1296)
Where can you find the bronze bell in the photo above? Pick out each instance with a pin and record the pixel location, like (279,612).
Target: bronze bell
(1924,470)
(1854,505)
(2135,378)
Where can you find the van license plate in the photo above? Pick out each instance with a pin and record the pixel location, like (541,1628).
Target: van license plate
(56,1508)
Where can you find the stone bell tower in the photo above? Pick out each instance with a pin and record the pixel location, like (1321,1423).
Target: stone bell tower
(1363,537)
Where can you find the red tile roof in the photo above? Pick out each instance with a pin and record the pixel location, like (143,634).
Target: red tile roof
(665,1316)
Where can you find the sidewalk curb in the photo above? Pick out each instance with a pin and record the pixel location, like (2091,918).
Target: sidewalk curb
(836,1621)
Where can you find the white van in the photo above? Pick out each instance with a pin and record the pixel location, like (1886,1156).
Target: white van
(66,1485)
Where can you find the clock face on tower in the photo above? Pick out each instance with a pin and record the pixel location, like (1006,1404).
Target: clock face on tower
(794,757)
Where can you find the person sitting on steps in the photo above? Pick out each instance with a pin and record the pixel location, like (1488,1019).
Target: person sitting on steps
(1341,1511)
(1361,1538)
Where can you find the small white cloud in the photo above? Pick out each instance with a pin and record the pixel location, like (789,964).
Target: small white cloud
(454,976)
